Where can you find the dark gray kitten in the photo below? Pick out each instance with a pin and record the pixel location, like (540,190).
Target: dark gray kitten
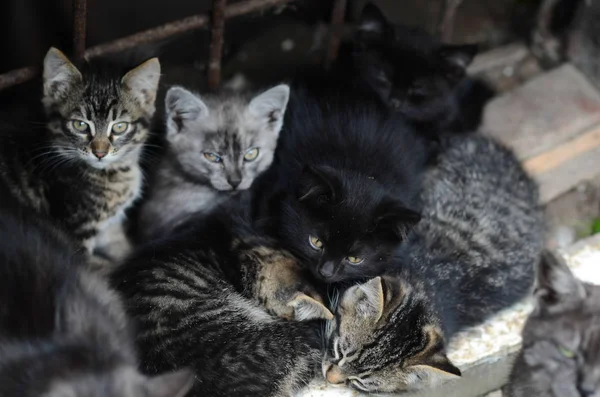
(217,145)
(472,254)
(561,339)
(63,333)
(205,298)
(83,169)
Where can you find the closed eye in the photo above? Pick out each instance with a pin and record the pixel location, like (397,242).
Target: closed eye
(358,384)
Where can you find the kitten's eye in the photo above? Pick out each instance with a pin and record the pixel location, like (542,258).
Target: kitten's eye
(315,242)
(251,154)
(355,260)
(566,352)
(80,126)
(212,157)
(119,128)
(357,384)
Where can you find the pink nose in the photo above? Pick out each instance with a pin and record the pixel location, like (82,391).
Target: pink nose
(99,154)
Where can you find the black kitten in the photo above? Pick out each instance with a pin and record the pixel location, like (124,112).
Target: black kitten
(418,76)
(342,192)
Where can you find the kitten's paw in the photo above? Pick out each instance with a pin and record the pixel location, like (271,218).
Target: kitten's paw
(307,308)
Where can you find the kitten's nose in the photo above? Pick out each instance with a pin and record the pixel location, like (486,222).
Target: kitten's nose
(327,270)
(234,181)
(334,375)
(99,154)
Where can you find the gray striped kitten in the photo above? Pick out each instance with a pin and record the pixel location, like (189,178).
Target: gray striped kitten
(561,339)
(83,169)
(207,298)
(63,333)
(472,254)
(216,147)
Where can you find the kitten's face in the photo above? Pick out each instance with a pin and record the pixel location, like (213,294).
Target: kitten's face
(226,143)
(124,382)
(411,74)
(96,119)
(561,339)
(383,340)
(343,230)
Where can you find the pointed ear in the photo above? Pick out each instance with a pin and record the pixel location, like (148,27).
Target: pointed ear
(307,308)
(372,24)
(556,284)
(457,58)
(394,218)
(366,299)
(142,83)
(270,106)
(183,108)
(59,75)
(175,384)
(317,186)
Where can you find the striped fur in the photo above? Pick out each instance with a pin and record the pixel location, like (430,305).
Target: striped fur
(472,255)
(58,172)
(205,299)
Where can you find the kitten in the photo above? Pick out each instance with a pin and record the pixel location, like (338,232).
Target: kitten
(472,254)
(418,76)
(206,298)
(216,146)
(561,338)
(83,169)
(342,192)
(62,331)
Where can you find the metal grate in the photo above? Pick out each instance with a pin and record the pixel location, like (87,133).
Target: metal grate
(220,12)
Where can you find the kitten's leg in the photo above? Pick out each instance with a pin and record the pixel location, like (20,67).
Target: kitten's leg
(281,287)
(112,242)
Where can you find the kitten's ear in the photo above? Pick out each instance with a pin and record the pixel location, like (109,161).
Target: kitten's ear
(59,75)
(317,186)
(270,106)
(373,24)
(556,284)
(394,218)
(457,58)
(183,107)
(142,83)
(367,299)
(175,384)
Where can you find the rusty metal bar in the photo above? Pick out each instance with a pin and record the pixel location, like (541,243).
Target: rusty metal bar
(158,33)
(216,44)
(336,30)
(79,27)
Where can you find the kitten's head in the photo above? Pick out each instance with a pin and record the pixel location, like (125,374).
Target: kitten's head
(383,339)
(227,142)
(123,382)
(96,117)
(562,335)
(343,225)
(410,70)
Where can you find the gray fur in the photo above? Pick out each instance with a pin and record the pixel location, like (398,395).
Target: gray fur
(227,126)
(472,254)
(86,179)
(561,338)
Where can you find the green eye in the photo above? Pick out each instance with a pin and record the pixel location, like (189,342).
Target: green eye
(120,128)
(80,126)
(212,157)
(355,260)
(251,154)
(566,352)
(315,242)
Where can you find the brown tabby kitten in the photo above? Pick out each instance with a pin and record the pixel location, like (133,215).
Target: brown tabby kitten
(561,339)
(83,169)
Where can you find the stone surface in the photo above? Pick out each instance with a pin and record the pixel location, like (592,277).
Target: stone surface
(544,112)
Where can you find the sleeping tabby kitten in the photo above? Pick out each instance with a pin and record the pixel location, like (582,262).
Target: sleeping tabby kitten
(206,297)
(217,145)
(83,169)
(62,332)
(418,76)
(472,254)
(561,339)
